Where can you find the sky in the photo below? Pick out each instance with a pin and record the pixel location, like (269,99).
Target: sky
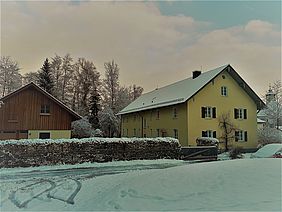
(154,43)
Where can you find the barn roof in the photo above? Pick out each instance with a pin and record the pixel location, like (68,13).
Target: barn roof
(45,93)
(183,90)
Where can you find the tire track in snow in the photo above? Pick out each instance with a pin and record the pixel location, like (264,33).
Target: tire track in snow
(24,203)
(70,199)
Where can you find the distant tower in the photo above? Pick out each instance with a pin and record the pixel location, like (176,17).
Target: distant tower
(270,96)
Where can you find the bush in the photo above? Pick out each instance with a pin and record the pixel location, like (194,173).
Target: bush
(81,129)
(236,153)
(97,133)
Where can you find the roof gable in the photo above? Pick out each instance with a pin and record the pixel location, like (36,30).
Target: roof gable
(183,90)
(49,96)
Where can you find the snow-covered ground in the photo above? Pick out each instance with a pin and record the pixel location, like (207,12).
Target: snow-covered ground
(244,184)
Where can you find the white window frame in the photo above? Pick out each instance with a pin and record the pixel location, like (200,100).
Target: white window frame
(224,91)
(45,109)
(240,113)
(208,112)
(209,133)
(241,136)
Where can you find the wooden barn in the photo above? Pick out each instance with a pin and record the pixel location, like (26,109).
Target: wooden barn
(30,112)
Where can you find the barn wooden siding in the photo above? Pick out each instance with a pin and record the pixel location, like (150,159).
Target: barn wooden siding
(21,112)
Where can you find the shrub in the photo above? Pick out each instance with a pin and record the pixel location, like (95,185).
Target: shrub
(236,153)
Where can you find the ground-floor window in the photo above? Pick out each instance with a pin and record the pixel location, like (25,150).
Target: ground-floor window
(241,135)
(209,133)
(44,135)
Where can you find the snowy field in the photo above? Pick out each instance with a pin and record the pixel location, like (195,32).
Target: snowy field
(230,185)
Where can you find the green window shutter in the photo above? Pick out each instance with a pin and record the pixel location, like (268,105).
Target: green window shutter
(236,113)
(245,113)
(203,112)
(236,135)
(246,136)
(214,134)
(214,112)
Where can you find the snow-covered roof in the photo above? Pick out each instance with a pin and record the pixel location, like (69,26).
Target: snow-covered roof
(183,90)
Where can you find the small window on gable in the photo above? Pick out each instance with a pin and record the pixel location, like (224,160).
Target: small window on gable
(158,114)
(45,109)
(223,91)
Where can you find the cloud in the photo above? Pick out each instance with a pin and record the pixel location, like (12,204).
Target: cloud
(151,49)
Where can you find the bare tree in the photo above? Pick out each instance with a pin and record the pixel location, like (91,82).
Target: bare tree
(111,84)
(10,78)
(137,91)
(56,68)
(30,77)
(268,135)
(88,79)
(228,129)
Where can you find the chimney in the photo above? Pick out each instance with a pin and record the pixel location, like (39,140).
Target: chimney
(196,74)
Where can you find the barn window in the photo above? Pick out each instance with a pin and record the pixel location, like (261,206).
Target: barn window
(44,135)
(45,109)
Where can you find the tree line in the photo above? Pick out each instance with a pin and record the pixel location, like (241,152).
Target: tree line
(79,85)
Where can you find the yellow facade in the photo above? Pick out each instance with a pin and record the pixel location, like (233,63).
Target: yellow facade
(54,134)
(188,120)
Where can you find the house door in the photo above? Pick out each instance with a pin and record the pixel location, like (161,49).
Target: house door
(44,135)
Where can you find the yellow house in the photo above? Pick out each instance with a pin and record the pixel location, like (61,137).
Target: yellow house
(193,108)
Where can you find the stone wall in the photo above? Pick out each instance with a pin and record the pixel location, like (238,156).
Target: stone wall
(24,153)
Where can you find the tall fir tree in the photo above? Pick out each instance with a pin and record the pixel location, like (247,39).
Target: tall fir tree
(94,109)
(45,78)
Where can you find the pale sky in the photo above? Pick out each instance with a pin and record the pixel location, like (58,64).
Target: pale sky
(154,43)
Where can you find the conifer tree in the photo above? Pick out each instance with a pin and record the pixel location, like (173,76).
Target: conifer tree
(94,109)
(45,79)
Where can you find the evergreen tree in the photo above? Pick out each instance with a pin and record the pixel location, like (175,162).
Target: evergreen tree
(94,109)
(45,78)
